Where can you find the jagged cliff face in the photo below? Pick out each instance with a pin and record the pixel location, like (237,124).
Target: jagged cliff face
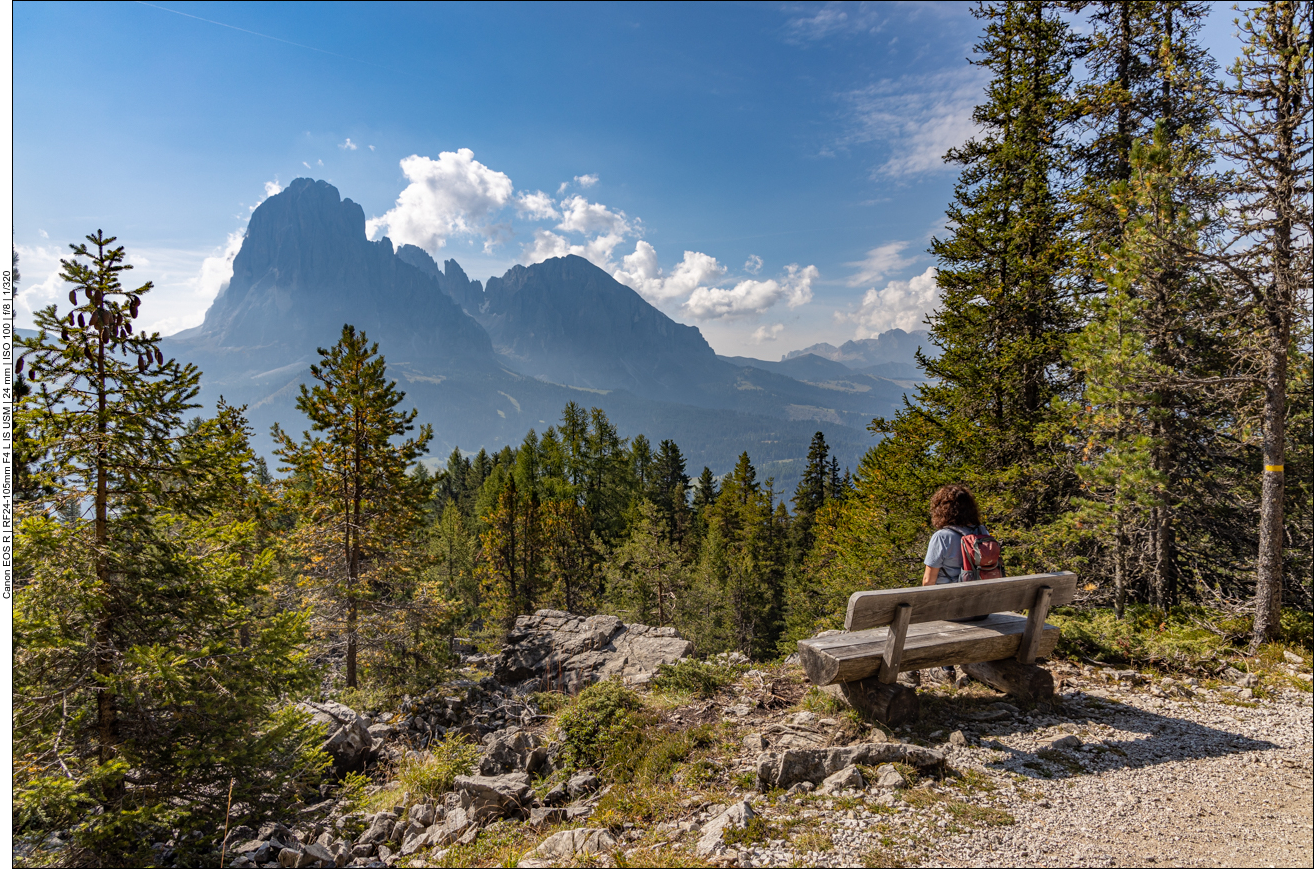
(568,321)
(306,268)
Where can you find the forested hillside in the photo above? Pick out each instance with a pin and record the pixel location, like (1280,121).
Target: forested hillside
(1119,368)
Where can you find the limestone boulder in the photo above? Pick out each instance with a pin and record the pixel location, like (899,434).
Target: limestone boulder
(567,652)
(348,740)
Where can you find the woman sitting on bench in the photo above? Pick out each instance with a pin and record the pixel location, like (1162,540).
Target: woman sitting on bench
(954,514)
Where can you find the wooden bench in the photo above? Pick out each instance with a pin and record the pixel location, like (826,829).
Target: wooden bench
(899,629)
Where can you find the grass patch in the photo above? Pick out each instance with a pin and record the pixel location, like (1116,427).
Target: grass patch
(972,781)
(549,702)
(821,703)
(499,844)
(813,840)
(697,678)
(431,773)
(979,816)
(756,832)
(920,798)
(1189,636)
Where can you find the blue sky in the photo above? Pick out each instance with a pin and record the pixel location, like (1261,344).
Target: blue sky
(767,172)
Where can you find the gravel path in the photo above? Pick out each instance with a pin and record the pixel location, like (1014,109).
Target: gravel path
(1201,784)
(1147,780)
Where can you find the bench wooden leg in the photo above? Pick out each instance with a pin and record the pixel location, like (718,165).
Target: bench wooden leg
(1024,681)
(891,704)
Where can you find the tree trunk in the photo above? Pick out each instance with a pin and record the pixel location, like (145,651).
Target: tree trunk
(1278,308)
(891,705)
(1024,681)
(106,700)
(351,644)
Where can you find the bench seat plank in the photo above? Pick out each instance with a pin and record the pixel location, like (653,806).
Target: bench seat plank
(858,654)
(958,600)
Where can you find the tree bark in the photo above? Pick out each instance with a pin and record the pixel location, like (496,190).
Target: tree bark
(891,705)
(1278,304)
(1024,681)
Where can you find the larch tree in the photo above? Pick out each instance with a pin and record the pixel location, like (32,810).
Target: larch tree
(1267,117)
(358,504)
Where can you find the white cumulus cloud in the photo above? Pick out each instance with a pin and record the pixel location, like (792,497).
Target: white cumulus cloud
(762,334)
(753,264)
(586,180)
(900,305)
(348,145)
(753,297)
(536,206)
(640,272)
(546,244)
(580,215)
(452,195)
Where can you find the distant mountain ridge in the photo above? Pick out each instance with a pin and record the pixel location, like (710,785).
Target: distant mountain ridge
(485,363)
(896,346)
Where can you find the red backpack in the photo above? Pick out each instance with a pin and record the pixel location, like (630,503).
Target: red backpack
(981,553)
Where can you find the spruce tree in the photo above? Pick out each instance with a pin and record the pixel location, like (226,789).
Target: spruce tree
(1006,313)
(146,667)
(358,505)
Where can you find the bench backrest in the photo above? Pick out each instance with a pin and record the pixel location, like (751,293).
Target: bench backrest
(957,600)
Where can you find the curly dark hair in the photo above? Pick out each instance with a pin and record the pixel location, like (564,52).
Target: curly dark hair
(954,505)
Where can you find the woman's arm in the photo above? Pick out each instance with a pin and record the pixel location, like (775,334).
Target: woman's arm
(928,578)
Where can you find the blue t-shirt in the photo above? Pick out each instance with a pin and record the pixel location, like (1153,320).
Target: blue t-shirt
(945,552)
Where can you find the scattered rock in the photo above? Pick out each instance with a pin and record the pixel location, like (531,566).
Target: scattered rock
(815,764)
(582,783)
(889,778)
(754,743)
(568,652)
(957,738)
(349,740)
(736,817)
(1069,741)
(802,787)
(846,779)
(1292,657)
(567,845)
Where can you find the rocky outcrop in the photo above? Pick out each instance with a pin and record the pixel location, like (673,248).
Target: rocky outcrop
(486,798)
(566,652)
(568,845)
(348,741)
(512,750)
(780,770)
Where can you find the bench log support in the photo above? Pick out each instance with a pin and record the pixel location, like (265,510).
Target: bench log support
(1023,681)
(893,654)
(891,704)
(1029,648)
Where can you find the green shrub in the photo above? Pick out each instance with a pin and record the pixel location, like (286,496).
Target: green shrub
(431,773)
(700,678)
(1185,636)
(595,721)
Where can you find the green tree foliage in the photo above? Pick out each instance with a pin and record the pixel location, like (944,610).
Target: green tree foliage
(646,575)
(146,669)
(1155,455)
(357,503)
(1002,324)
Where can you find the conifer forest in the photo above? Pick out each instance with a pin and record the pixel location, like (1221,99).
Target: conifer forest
(1121,374)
